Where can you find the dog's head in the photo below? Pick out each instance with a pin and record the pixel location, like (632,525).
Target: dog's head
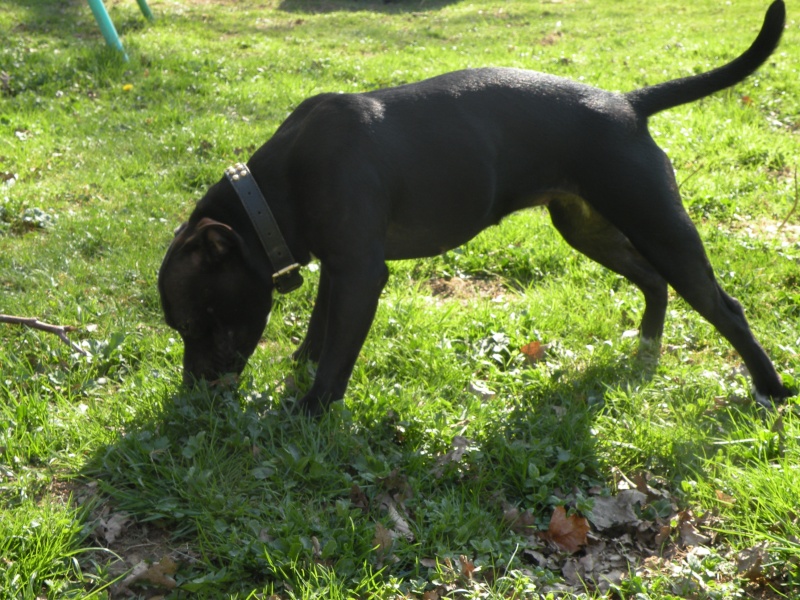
(214,298)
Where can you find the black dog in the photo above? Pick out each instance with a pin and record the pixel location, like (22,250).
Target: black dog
(412,171)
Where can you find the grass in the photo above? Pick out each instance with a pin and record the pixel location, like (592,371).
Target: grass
(451,449)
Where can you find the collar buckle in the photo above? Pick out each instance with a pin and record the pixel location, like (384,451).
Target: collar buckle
(288,279)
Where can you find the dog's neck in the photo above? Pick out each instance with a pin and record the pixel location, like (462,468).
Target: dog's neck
(222,204)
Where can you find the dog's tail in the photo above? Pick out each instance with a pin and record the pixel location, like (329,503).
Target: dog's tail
(650,100)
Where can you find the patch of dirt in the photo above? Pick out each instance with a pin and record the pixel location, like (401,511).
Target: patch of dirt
(551,39)
(466,290)
(141,554)
(768,229)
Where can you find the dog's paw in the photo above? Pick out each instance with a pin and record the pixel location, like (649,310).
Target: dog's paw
(774,401)
(310,406)
(305,353)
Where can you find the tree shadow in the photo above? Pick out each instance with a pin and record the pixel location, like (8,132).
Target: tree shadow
(69,18)
(383,6)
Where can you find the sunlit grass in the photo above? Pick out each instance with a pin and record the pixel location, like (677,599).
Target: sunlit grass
(101,159)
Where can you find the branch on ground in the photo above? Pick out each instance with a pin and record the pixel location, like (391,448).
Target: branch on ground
(59,330)
(794,206)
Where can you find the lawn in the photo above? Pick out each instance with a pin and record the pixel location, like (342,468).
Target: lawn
(500,438)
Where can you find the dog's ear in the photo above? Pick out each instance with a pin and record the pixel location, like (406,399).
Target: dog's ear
(216,240)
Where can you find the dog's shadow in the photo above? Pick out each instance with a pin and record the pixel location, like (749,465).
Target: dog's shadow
(244,464)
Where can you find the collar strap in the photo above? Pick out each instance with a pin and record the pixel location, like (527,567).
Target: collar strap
(286,271)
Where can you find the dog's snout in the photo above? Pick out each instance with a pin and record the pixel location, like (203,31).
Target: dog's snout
(222,380)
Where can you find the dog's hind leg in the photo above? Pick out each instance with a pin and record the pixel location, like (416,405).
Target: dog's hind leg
(644,204)
(591,234)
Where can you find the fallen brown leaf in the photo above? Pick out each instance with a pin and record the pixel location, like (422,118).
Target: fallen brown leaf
(662,535)
(534,351)
(568,533)
(429,563)
(467,566)
(616,511)
(358,498)
(159,574)
(382,542)
(690,535)
(725,498)
(109,529)
(399,522)
(750,562)
(521,523)
(461,445)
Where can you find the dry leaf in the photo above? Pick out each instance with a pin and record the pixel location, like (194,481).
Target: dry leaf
(616,510)
(401,526)
(159,574)
(467,566)
(429,563)
(778,426)
(461,445)
(573,573)
(111,528)
(568,533)
(397,485)
(662,535)
(521,523)
(358,498)
(690,535)
(382,542)
(430,595)
(534,351)
(642,483)
(725,498)
(750,561)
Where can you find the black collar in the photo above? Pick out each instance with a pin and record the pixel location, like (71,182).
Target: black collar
(286,271)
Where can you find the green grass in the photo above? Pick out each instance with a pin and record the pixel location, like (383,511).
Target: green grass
(107,467)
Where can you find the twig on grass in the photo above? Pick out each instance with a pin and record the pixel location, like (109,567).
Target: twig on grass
(59,330)
(794,206)
(690,175)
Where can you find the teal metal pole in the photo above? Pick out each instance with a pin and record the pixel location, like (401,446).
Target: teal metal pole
(106,26)
(145,10)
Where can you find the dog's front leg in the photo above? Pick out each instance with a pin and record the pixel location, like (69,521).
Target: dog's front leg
(311,347)
(352,298)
